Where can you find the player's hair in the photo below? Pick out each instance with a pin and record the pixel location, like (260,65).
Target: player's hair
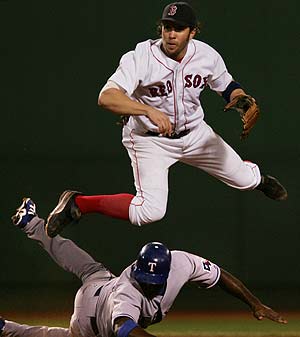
(160,24)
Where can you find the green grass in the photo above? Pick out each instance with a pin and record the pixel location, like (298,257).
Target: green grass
(194,324)
(237,325)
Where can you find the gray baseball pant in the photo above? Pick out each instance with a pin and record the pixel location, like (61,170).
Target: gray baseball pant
(72,259)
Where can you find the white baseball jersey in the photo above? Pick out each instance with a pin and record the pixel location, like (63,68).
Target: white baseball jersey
(149,76)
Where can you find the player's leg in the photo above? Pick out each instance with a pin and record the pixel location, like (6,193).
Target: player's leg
(151,157)
(150,162)
(13,329)
(63,251)
(209,152)
(73,204)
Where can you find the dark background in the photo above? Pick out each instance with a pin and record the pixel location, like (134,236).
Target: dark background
(56,56)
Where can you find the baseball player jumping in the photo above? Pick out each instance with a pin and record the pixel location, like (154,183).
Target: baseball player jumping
(124,306)
(156,88)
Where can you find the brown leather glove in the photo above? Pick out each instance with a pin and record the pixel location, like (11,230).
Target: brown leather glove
(248,109)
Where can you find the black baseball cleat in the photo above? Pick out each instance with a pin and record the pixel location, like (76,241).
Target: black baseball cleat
(272,188)
(65,213)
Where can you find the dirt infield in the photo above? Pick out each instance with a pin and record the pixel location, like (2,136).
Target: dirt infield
(187,324)
(295,334)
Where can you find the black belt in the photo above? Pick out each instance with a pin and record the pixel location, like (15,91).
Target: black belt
(174,135)
(93,319)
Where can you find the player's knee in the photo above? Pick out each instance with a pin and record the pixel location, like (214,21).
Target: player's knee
(143,215)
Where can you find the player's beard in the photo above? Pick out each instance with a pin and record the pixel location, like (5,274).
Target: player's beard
(178,52)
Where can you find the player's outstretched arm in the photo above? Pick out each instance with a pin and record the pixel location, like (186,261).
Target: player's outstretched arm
(125,324)
(235,287)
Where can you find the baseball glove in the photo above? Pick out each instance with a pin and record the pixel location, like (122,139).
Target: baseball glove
(249,112)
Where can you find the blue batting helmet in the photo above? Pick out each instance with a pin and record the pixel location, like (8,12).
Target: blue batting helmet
(153,264)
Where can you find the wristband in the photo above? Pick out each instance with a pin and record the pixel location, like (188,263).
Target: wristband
(126,327)
(231,86)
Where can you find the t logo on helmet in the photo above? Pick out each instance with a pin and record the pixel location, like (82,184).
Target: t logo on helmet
(152,265)
(173,10)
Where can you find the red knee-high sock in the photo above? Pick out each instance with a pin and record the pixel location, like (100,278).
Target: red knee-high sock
(115,205)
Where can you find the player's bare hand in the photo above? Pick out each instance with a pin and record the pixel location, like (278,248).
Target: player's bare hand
(161,120)
(263,311)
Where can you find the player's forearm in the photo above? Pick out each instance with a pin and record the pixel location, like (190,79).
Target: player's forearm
(117,102)
(137,331)
(235,287)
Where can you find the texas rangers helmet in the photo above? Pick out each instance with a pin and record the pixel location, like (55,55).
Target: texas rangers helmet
(153,264)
